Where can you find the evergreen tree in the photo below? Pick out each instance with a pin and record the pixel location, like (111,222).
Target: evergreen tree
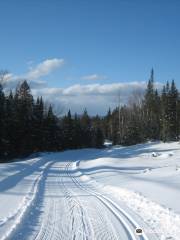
(170,126)
(68,141)
(38,121)
(51,134)
(164,113)
(77,132)
(10,126)
(86,129)
(173,104)
(24,119)
(2,114)
(96,132)
(151,110)
(108,125)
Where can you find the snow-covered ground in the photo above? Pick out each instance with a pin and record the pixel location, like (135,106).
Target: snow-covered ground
(93,194)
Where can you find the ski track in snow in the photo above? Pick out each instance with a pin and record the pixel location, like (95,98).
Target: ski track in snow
(80,224)
(16,218)
(119,213)
(64,203)
(163,222)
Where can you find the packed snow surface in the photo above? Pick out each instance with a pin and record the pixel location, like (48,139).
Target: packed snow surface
(93,194)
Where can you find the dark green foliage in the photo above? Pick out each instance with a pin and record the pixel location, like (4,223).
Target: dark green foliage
(68,131)
(97,136)
(86,129)
(170,112)
(2,123)
(27,126)
(151,110)
(155,117)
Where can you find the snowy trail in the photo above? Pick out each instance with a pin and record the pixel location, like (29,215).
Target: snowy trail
(84,195)
(123,217)
(9,224)
(66,208)
(79,224)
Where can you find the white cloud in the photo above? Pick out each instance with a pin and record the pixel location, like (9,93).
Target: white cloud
(44,68)
(94,77)
(97,98)
(95,89)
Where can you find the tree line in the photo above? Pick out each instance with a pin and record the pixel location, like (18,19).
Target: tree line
(27,126)
(153,115)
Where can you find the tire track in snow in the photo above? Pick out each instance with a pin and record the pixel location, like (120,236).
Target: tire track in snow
(124,218)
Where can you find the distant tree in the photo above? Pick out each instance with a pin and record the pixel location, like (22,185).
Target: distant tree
(151,110)
(77,132)
(67,127)
(170,122)
(86,129)
(51,138)
(38,124)
(173,104)
(10,127)
(24,118)
(2,115)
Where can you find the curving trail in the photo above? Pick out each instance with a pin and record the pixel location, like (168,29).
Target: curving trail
(64,207)
(123,217)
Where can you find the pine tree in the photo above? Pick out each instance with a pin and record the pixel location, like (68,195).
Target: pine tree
(86,129)
(51,139)
(173,121)
(151,109)
(24,118)
(164,114)
(96,132)
(108,125)
(38,121)
(2,112)
(10,126)
(77,132)
(67,126)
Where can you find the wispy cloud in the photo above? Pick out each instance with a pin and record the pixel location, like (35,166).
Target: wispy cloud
(34,74)
(94,77)
(44,68)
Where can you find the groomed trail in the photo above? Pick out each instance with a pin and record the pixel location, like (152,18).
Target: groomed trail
(64,207)
(63,201)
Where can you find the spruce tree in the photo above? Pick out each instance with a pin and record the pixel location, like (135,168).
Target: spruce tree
(173,104)
(38,121)
(51,135)
(86,129)
(151,110)
(24,118)
(67,127)
(2,129)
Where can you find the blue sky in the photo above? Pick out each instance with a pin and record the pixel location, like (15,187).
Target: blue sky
(99,43)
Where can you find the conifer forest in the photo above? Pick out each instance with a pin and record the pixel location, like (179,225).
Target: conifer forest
(28,125)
